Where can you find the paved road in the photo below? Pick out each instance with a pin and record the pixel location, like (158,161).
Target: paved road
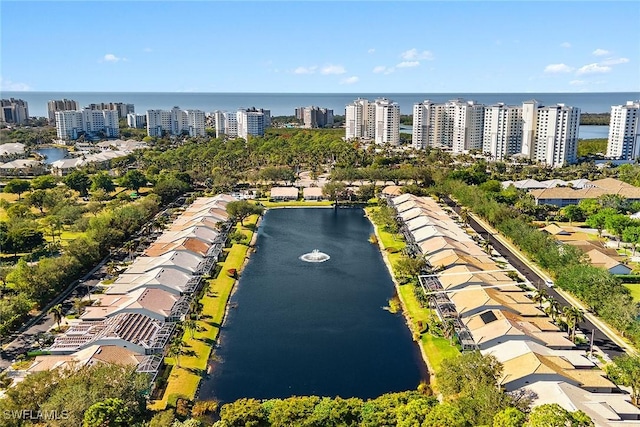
(600,339)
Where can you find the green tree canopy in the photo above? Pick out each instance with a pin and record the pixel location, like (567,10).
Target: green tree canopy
(79,181)
(242,209)
(17,186)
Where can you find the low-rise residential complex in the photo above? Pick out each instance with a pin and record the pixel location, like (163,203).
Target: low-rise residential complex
(490,312)
(132,322)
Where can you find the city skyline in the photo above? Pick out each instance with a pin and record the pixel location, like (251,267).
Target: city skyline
(321,47)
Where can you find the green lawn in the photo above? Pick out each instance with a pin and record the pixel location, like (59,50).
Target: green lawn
(435,348)
(635,290)
(295,203)
(184,379)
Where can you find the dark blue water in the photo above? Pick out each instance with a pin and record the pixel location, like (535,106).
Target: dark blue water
(313,329)
(52,154)
(282,104)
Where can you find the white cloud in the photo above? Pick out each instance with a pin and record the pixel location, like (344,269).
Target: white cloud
(6,84)
(333,69)
(349,80)
(110,57)
(593,69)
(408,64)
(577,82)
(614,61)
(305,70)
(601,52)
(379,69)
(557,68)
(371,50)
(413,54)
(566,45)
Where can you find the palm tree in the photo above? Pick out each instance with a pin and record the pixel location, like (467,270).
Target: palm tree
(464,215)
(175,350)
(78,306)
(553,309)
(191,326)
(540,296)
(56,312)
(448,327)
(573,316)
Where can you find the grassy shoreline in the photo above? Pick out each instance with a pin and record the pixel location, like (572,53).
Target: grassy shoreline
(184,379)
(432,348)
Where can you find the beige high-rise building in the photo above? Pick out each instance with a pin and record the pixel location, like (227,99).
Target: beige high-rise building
(60,105)
(387,122)
(556,139)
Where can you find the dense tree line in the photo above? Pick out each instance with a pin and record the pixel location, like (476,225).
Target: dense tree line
(601,119)
(34,284)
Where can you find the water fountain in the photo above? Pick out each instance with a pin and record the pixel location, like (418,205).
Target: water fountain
(315,256)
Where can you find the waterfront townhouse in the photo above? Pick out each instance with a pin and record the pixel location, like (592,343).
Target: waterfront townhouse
(624,131)
(132,322)
(489,313)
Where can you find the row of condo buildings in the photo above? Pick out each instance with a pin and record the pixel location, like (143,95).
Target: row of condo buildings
(492,314)
(242,123)
(314,117)
(547,135)
(135,318)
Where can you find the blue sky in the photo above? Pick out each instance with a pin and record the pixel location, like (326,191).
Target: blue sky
(308,46)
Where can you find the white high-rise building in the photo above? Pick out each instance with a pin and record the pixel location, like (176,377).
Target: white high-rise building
(175,122)
(378,121)
(456,124)
(423,125)
(195,122)
(252,122)
(69,124)
(387,122)
(60,105)
(158,122)
(502,133)
(556,139)
(226,123)
(529,124)
(467,121)
(624,131)
(138,121)
(360,119)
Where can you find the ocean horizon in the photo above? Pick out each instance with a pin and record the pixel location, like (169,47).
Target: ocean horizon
(284,104)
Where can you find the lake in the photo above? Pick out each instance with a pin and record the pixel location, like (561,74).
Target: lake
(52,154)
(303,328)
